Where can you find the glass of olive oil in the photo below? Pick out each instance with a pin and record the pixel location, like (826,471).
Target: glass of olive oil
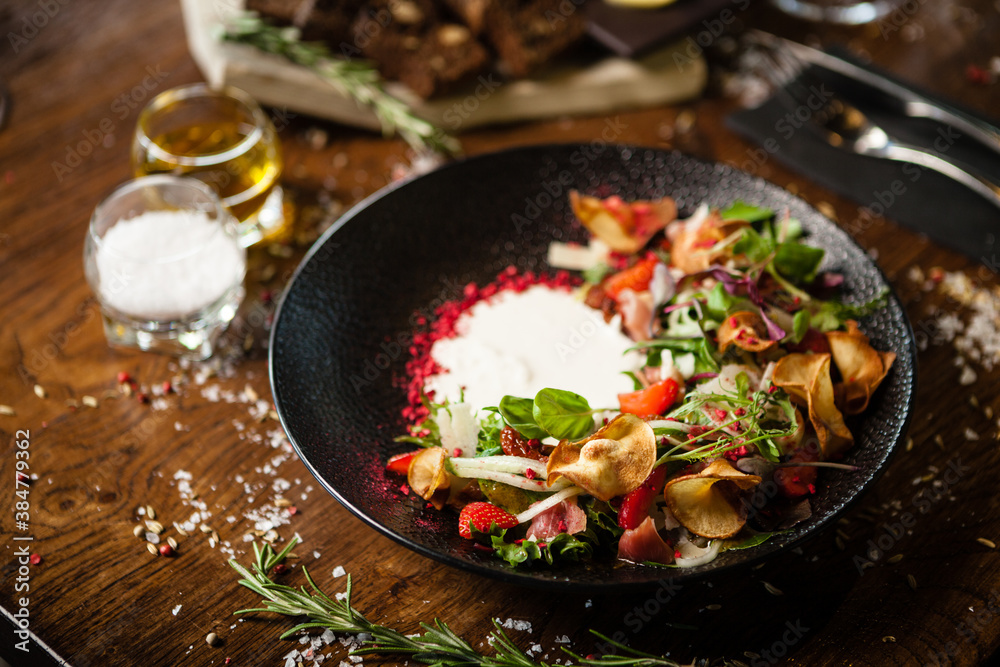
(223,138)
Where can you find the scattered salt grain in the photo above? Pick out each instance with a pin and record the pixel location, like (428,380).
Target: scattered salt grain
(512,624)
(968,376)
(176,610)
(338,571)
(562,640)
(970,434)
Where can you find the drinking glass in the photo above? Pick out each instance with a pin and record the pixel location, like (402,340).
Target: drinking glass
(843,12)
(164,258)
(223,138)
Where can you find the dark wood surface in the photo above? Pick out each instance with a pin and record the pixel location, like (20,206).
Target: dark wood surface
(98,598)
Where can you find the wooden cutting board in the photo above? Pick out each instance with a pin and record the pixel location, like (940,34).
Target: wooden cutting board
(570,86)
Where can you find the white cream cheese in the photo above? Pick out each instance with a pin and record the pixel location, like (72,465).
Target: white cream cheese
(520,343)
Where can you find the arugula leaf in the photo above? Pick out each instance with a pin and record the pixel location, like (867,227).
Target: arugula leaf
(719,302)
(603,519)
(518,413)
(740,210)
(561,548)
(705,361)
(753,245)
(798,262)
(563,414)
(800,326)
(831,315)
(488,443)
(637,385)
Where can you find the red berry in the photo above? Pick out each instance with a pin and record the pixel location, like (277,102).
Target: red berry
(34,559)
(482,516)
(280,568)
(166,550)
(124,377)
(167,387)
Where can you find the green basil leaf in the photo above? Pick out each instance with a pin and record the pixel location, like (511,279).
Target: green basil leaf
(563,414)
(740,210)
(750,542)
(799,263)
(517,412)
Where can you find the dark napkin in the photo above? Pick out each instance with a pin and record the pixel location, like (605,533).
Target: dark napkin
(918,198)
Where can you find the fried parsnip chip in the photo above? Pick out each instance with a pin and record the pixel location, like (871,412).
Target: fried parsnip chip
(428,478)
(611,462)
(694,242)
(624,226)
(709,503)
(861,367)
(807,378)
(746,330)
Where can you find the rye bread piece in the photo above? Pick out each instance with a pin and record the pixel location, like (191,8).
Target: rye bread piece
(411,42)
(326,20)
(281,12)
(528,33)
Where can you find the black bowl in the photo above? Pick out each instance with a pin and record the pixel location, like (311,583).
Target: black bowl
(341,337)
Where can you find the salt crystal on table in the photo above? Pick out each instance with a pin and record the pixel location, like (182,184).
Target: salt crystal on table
(138,280)
(339,571)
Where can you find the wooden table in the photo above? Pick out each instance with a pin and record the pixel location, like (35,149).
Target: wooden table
(98,598)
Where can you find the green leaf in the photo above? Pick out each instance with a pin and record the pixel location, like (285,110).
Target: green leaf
(636,383)
(488,440)
(518,413)
(800,326)
(563,414)
(753,245)
(705,361)
(741,210)
(750,542)
(719,302)
(831,315)
(596,273)
(797,262)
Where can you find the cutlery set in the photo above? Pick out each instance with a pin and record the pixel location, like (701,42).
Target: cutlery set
(797,72)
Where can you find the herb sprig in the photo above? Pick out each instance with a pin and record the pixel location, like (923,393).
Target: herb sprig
(437,645)
(357,79)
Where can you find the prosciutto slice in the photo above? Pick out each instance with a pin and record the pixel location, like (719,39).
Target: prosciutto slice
(644,544)
(566,517)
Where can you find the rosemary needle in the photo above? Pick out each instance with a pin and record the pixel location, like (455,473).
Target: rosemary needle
(436,645)
(357,79)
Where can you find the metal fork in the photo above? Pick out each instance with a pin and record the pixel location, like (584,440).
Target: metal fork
(845,126)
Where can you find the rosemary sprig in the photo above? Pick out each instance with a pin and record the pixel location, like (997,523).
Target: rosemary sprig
(438,645)
(355,78)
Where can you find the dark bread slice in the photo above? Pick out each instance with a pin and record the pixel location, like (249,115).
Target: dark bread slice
(410,42)
(281,12)
(527,33)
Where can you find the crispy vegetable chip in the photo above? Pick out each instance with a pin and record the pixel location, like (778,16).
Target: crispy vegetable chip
(746,330)
(625,227)
(709,503)
(694,242)
(611,462)
(428,478)
(807,378)
(861,367)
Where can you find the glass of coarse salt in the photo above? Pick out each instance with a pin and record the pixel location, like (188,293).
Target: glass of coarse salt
(164,258)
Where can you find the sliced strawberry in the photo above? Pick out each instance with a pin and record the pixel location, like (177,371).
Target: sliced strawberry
(635,278)
(400,463)
(797,481)
(635,505)
(653,400)
(482,516)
